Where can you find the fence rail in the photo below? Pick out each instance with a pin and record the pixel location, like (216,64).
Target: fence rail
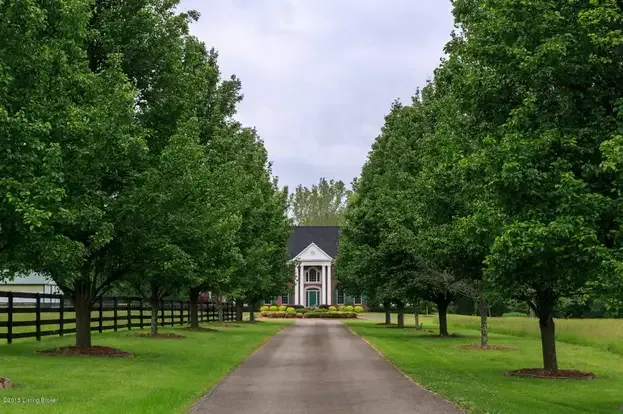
(16,306)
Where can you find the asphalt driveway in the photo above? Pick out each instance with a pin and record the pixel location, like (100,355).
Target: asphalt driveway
(318,366)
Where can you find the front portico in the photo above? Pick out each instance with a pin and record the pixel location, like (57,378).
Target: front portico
(313,281)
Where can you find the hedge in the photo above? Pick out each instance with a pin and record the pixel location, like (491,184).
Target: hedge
(329,315)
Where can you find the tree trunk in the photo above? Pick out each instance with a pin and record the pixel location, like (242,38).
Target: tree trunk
(239,309)
(251,311)
(417,320)
(545,308)
(154,303)
(219,308)
(154,316)
(194,307)
(442,309)
(388,312)
(401,315)
(484,331)
(82,305)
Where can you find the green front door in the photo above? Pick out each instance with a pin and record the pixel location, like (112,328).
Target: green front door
(312,298)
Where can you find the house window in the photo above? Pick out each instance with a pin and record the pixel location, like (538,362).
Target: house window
(285,299)
(268,302)
(357,300)
(312,275)
(340,297)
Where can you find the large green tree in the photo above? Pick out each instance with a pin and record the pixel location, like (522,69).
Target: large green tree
(321,205)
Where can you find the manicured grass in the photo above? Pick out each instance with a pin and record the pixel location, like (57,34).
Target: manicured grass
(604,334)
(475,379)
(164,376)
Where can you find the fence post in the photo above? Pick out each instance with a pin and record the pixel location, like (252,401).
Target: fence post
(9,332)
(115,303)
(100,315)
(181,313)
(61,322)
(38,316)
(140,312)
(129,314)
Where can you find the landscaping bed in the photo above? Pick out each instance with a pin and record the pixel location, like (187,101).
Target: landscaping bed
(487,347)
(160,335)
(546,373)
(328,312)
(100,351)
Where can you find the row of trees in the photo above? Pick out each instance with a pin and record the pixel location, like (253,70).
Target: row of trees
(502,178)
(122,163)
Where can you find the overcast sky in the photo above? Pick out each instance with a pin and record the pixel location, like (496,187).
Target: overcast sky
(318,76)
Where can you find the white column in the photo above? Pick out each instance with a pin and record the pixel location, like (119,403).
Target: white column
(302,286)
(296,285)
(329,286)
(323,286)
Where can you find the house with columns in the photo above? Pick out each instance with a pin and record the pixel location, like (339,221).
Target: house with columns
(314,249)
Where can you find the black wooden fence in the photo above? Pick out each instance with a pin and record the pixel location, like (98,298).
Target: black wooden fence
(23,310)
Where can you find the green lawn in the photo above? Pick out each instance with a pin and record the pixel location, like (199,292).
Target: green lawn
(475,379)
(604,334)
(164,376)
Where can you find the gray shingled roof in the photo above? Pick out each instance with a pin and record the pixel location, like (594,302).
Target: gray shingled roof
(325,237)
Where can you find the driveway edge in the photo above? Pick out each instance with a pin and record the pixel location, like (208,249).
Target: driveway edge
(399,370)
(196,405)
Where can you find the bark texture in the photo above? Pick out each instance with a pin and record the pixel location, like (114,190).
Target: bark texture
(194,307)
(388,312)
(484,331)
(545,310)
(442,309)
(239,309)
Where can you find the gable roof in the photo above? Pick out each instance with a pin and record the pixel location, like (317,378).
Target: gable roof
(325,237)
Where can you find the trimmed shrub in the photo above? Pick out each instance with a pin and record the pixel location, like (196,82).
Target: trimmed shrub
(265,314)
(320,310)
(358,309)
(283,308)
(323,307)
(273,314)
(280,314)
(291,310)
(299,315)
(290,314)
(274,308)
(332,309)
(265,308)
(330,315)
(302,311)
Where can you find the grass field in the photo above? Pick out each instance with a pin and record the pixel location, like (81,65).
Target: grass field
(164,376)
(604,334)
(475,379)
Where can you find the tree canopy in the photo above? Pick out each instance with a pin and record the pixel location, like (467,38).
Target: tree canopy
(502,176)
(321,205)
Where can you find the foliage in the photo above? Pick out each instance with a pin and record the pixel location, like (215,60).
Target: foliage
(283,308)
(265,309)
(332,308)
(358,309)
(274,308)
(332,315)
(501,178)
(322,205)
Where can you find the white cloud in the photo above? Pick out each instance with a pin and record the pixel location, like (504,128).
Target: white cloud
(319,75)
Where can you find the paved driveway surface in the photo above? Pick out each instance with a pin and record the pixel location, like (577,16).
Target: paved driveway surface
(318,366)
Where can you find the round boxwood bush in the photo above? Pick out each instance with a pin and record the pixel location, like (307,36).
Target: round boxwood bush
(358,309)
(283,308)
(332,309)
(274,308)
(291,310)
(346,308)
(264,308)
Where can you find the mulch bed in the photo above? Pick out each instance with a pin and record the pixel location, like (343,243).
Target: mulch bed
(200,329)
(5,383)
(226,325)
(160,335)
(99,351)
(487,347)
(545,373)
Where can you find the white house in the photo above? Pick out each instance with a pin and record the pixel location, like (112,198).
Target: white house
(314,250)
